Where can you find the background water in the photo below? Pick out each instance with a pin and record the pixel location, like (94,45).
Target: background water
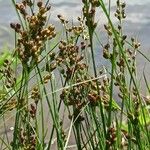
(138,18)
(137,24)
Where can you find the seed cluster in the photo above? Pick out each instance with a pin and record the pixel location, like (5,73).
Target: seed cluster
(33,36)
(9,106)
(35,94)
(74,30)
(8,74)
(89,10)
(28,140)
(77,99)
(112,136)
(120,12)
(124,138)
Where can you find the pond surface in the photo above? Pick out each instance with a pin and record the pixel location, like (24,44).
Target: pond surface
(137,22)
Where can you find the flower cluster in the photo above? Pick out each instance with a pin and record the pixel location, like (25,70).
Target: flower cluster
(8,73)
(89,10)
(28,140)
(33,36)
(120,12)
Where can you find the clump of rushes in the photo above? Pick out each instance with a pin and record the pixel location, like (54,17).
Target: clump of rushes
(111,51)
(32,35)
(98,119)
(71,61)
(121,55)
(73,68)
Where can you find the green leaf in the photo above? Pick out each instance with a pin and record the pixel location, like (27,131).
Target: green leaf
(4,56)
(146,116)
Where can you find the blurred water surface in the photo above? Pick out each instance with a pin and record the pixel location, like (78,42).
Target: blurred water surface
(137,14)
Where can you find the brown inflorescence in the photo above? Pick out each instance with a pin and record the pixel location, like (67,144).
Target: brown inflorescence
(120,12)
(32,37)
(111,137)
(35,95)
(8,74)
(27,140)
